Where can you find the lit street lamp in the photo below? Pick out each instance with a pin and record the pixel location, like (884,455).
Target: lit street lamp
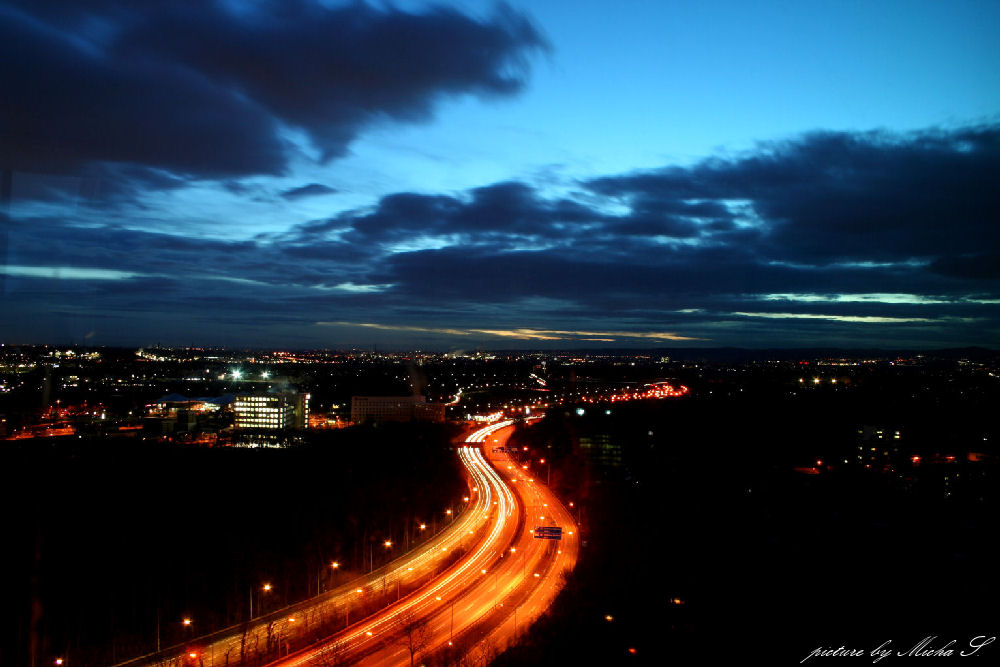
(319,577)
(548,471)
(266,588)
(284,626)
(347,620)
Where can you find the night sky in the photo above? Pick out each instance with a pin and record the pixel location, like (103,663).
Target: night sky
(537,174)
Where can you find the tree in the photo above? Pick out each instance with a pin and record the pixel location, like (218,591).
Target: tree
(333,655)
(413,631)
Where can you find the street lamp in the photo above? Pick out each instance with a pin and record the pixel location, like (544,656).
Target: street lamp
(284,626)
(347,619)
(319,577)
(266,588)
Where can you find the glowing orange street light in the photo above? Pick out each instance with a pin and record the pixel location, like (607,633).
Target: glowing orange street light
(186,621)
(423,526)
(59,661)
(192,655)
(267,587)
(388,543)
(448,512)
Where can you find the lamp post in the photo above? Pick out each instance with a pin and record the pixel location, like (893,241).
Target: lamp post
(335,566)
(319,576)
(266,588)
(284,626)
(347,620)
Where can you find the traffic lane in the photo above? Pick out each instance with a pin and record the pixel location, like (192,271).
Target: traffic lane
(566,553)
(409,569)
(479,601)
(380,628)
(531,576)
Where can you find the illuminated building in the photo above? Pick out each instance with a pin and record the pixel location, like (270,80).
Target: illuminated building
(878,446)
(271,412)
(395,408)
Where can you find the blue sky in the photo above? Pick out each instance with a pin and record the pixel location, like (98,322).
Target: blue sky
(530,174)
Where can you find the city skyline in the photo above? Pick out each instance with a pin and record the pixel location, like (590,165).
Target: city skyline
(528,175)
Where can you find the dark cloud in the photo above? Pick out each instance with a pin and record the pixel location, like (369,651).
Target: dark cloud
(660,278)
(310,190)
(863,238)
(501,213)
(971,266)
(76,106)
(836,197)
(202,90)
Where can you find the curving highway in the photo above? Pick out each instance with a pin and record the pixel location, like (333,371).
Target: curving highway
(484,600)
(502,578)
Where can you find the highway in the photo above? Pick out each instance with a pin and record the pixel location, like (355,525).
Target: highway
(484,600)
(339,607)
(503,579)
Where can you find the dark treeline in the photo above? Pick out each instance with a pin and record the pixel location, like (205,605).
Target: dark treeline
(712,541)
(111,532)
